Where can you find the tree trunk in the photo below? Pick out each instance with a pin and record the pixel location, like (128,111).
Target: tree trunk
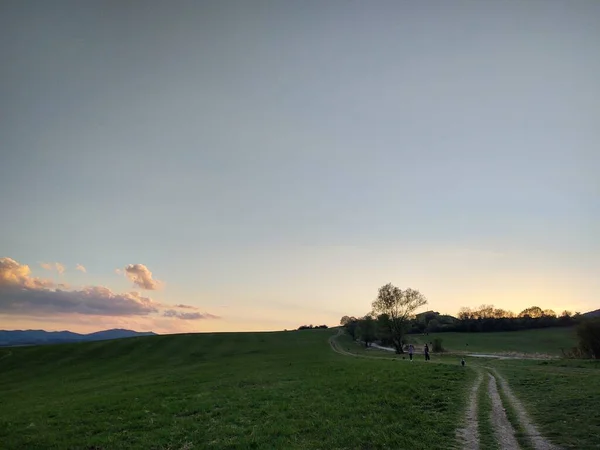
(398,347)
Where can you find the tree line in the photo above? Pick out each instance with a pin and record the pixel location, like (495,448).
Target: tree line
(392,317)
(487,318)
(311,327)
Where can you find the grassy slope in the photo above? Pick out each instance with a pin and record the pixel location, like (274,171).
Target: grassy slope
(546,341)
(246,390)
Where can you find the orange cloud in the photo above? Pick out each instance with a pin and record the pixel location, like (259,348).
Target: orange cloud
(80,268)
(142,277)
(14,274)
(60,268)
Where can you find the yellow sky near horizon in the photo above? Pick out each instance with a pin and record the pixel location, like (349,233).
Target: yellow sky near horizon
(274,164)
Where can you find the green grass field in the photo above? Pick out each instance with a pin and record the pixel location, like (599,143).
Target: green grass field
(285,390)
(562,396)
(547,341)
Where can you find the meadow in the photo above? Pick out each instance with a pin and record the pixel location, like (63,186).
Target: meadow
(562,396)
(543,341)
(285,390)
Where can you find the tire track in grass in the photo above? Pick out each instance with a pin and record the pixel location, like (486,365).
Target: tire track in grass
(486,429)
(536,439)
(513,418)
(503,430)
(469,434)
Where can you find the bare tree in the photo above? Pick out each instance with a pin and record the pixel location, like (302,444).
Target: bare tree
(399,307)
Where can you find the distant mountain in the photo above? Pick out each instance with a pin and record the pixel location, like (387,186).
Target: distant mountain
(590,314)
(39,337)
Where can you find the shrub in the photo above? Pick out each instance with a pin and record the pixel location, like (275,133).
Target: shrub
(572,353)
(588,333)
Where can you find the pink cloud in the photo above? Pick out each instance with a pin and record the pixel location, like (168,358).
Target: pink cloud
(188,315)
(22,295)
(91,300)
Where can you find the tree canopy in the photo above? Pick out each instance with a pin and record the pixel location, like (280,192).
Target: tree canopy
(397,307)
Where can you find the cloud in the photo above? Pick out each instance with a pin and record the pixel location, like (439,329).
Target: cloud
(80,268)
(22,295)
(60,268)
(91,300)
(14,274)
(142,277)
(188,316)
(119,272)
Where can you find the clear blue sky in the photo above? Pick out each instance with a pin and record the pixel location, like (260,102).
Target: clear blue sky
(274,163)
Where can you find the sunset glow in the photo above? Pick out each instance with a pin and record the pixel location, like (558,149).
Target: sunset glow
(237,167)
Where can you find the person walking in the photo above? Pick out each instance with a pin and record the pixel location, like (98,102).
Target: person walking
(427,352)
(411,350)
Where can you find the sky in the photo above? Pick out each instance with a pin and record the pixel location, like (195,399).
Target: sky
(259,165)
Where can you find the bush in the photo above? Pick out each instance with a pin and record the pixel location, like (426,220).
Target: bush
(437,345)
(588,333)
(572,353)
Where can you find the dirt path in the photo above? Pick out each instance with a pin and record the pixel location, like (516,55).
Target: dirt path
(503,430)
(536,439)
(469,434)
(336,347)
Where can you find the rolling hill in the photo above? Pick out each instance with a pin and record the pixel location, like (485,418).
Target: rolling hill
(38,337)
(280,390)
(591,314)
